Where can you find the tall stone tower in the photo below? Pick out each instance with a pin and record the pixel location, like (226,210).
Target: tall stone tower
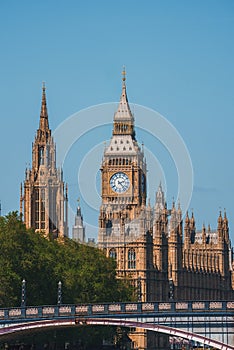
(44,198)
(123,222)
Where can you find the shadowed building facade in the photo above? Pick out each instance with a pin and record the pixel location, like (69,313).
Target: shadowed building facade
(44,198)
(164,260)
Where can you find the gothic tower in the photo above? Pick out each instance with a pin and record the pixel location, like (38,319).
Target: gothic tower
(44,198)
(124,225)
(78,230)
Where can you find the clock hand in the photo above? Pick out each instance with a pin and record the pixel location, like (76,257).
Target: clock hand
(121,183)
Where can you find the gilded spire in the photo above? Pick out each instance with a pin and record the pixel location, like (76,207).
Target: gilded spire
(44,123)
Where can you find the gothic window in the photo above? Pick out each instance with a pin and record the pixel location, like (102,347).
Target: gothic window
(43,208)
(128,231)
(192,236)
(131,258)
(41,156)
(108,227)
(37,208)
(48,155)
(52,210)
(113,254)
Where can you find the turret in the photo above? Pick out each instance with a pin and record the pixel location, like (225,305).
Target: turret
(220,228)
(175,246)
(159,202)
(225,228)
(186,230)
(78,230)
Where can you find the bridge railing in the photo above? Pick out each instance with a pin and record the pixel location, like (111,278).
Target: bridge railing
(52,311)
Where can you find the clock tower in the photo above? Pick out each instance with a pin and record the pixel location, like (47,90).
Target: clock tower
(124,220)
(123,167)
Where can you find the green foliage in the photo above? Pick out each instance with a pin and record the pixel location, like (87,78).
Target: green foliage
(86,274)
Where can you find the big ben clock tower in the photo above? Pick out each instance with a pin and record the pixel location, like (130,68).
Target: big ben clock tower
(123,168)
(124,218)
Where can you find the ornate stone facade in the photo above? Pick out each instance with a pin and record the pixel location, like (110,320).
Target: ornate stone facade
(150,246)
(44,199)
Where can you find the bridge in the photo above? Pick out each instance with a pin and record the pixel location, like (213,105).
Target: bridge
(210,323)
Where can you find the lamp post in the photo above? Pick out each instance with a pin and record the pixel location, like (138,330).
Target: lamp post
(23,293)
(139,292)
(59,293)
(171,289)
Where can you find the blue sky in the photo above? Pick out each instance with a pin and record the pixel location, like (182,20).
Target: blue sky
(179,59)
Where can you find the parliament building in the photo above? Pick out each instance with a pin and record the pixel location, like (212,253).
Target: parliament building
(165,257)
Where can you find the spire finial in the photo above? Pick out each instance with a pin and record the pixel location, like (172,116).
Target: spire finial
(173,202)
(44,115)
(178,207)
(124,75)
(78,211)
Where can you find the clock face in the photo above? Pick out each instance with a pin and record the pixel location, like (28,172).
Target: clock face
(119,182)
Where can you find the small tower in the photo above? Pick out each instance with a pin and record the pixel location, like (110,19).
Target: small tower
(78,230)
(45,204)
(160,201)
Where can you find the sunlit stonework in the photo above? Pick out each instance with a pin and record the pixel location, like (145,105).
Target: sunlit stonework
(44,198)
(164,260)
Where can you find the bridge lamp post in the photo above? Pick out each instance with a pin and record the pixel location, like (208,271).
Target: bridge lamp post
(59,293)
(23,293)
(171,289)
(139,293)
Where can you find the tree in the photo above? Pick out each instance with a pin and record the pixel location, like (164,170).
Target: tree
(86,274)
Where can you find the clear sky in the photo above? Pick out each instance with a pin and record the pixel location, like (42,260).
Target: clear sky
(179,60)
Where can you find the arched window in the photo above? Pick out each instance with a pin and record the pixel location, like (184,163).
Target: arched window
(41,156)
(131,258)
(112,253)
(108,227)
